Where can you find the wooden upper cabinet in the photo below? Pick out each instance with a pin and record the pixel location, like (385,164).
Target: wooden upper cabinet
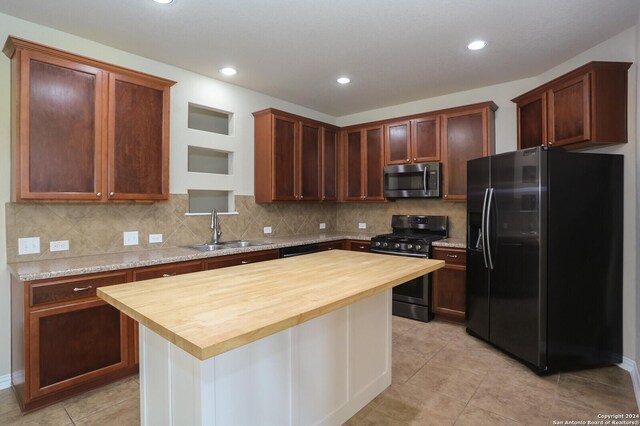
(586,107)
(82,128)
(398,143)
(329,164)
(309,160)
(295,158)
(466,134)
(425,139)
(374,164)
(412,141)
(138,139)
(353,159)
(364,163)
(285,137)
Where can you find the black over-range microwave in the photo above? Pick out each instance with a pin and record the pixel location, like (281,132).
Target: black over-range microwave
(421,180)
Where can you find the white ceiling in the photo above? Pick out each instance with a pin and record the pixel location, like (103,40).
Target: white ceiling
(395,51)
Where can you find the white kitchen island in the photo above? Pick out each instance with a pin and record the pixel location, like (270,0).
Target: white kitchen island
(298,341)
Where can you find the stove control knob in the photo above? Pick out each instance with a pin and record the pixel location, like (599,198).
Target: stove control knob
(377,244)
(418,247)
(397,245)
(384,244)
(409,246)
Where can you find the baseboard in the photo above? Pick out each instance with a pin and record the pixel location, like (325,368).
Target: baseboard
(631,366)
(5,381)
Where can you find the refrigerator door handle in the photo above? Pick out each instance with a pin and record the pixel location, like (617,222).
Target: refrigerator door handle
(488,234)
(483,231)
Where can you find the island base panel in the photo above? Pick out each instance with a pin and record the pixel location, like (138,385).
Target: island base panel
(322,371)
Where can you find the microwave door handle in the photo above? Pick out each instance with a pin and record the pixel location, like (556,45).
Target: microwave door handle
(424,179)
(483,231)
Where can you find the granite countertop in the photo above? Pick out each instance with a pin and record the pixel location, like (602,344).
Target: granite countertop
(43,269)
(208,319)
(451,243)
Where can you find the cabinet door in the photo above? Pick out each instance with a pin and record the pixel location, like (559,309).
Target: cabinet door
(284,158)
(398,143)
(75,343)
(309,162)
(61,105)
(570,111)
(449,284)
(138,139)
(354,152)
(374,164)
(532,121)
(425,139)
(329,165)
(465,137)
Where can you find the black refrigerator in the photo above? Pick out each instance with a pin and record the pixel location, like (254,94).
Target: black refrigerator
(544,256)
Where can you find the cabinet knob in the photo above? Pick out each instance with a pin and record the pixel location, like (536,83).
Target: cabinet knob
(98,194)
(445,195)
(415,159)
(244,262)
(111,194)
(408,159)
(301,197)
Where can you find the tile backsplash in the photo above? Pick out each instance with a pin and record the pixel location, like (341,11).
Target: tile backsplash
(94,229)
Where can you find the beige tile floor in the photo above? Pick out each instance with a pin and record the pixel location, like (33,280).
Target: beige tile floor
(440,376)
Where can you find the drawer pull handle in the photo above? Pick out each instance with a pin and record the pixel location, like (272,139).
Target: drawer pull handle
(454,256)
(361,247)
(169,275)
(77,289)
(244,262)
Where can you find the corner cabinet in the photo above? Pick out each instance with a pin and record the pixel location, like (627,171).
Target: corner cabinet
(363,153)
(84,130)
(467,133)
(295,158)
(584,108)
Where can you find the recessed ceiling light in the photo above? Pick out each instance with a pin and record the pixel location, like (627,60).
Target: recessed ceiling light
(163,1)
(228,71)
(343,80)
(477,45)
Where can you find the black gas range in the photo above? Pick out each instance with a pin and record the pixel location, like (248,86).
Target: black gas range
(412,236)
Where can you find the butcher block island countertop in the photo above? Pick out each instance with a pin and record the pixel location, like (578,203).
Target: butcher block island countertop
(210,312)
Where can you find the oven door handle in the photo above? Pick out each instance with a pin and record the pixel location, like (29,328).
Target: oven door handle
(398,254)
(483,229)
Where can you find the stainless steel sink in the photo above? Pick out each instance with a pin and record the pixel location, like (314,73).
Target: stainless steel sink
(207,247)
(228,244)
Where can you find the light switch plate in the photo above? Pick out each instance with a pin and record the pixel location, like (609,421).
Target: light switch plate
(29,245)
(362,225)
(323,226)
(155,238)
(130,238)
(62,245)
(267,230)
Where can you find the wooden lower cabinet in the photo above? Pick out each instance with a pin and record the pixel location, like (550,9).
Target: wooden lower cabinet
(449,284)
(357,245)
(240,259)
(332,245)
(65,340)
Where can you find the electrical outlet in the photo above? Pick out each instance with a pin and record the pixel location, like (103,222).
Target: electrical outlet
(362,225)
(62,245)
(29,245)
(130,238)
(155,238)
(267,230)
(323,226)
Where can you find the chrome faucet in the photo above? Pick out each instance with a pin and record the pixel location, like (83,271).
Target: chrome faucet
(215,228)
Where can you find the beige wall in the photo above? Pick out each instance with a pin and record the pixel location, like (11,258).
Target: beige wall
(198,89)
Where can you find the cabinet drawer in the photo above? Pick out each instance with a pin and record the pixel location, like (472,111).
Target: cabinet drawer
(66,289)
(333,245)
(169,270)
(359,245)
(241,259)
(450,256)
